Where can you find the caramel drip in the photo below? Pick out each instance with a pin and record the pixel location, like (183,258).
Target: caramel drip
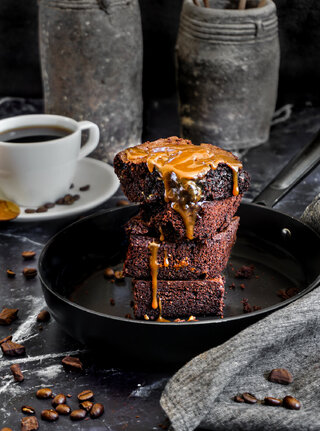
(180,164)
(160,318)
(154,266)
(165,259)
(161,234)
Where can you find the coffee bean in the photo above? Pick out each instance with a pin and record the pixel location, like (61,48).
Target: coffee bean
(76,197)
(85,395)
(10,273)
(280,375)
(96,411)
(28,410)
(12,349)
(78,415)
(29,273)
(238,399)
(71,186)
(29,423)
(49,205)
(41,209)
(49,415)
(59,399)
(72,363)
(108,273)
(16,371)
(84,188)
(4,340)
(44,393)
(29,211)
(43,316)
(8,315)
(123,203)
(60,201)
(63,409)
(291,403)
(249,398)
(27,255)
(86,405)
(271,401)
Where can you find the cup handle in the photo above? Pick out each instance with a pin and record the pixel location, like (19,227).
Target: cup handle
(93,139)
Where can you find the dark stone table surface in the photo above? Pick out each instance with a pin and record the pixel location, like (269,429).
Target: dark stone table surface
(130,393)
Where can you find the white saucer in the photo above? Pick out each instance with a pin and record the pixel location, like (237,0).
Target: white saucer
(103,184)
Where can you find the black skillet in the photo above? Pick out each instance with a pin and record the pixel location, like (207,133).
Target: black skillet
(284,251)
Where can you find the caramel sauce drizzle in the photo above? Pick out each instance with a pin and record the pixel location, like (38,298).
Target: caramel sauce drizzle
(160,318)
(180,164)
(154,266)
(165,259)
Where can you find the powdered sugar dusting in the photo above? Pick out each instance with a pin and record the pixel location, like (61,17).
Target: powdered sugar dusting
(48,373)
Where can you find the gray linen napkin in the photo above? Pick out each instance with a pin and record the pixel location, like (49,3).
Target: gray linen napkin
(201,393)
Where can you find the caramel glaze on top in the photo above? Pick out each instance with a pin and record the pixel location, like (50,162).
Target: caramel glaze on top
(180,164)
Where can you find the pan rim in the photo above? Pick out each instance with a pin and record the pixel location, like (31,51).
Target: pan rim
(213,320)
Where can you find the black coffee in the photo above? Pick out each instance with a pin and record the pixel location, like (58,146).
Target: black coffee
(33,134)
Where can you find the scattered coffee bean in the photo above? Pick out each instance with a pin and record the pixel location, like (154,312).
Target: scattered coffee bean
(123,203)
(27,255)
(238,399)
(112,301)
(249,398)
(43,316)
(60,201)
(44,393)
(29,211)
(72,363)
(86,405)
(41,209)
(63,409)
(119,275)
(28,410)
(71,186)
(8,315)
(78,415)
(4,340)
(67,199)
(280,375)
(76,197)
(29,423)
(291,403)
(271,401)
(12,349)
(84,188)
(49,205)
(108,273)
(29,273)
(49,415)
(10,273)
(17,373)
(96,411)
(85,395)
(59,399)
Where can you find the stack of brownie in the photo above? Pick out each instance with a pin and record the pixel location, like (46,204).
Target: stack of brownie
(181,239)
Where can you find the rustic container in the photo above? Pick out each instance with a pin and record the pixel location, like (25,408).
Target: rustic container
(227,72)
(91,60)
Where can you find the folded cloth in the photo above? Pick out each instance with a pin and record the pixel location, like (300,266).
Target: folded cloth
(311,215)
(202,392)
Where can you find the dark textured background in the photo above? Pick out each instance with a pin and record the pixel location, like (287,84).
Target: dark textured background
(299,36)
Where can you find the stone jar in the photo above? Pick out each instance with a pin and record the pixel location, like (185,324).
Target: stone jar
(91,60)
(227,72)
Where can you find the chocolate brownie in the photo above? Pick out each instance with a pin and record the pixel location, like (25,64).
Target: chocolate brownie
(185,260)
(212,217)
(179,298)
(142,185)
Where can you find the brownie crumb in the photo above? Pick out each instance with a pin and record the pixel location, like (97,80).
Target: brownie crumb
(232,286)
(245,271)
(242,286)
(112,301)
(288,293)
(246,306)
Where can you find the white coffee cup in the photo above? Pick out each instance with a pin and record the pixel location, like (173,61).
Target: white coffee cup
(34,173)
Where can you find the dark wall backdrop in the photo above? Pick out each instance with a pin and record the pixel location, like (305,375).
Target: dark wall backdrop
(299,22)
